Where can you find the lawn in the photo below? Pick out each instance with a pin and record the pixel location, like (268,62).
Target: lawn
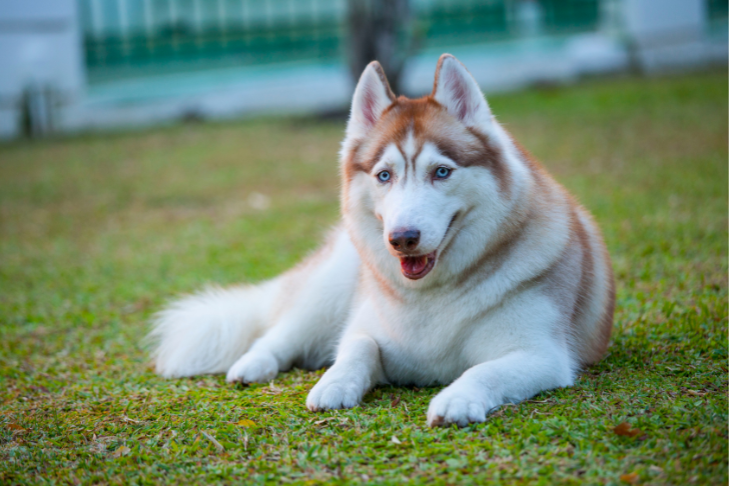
(98,231)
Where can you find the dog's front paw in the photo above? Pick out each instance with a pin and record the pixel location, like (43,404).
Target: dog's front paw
(253,367)
(457,406)
(334,392)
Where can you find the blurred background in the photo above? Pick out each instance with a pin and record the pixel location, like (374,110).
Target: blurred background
(74,65)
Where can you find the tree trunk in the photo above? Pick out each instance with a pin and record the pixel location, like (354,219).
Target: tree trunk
(379,30)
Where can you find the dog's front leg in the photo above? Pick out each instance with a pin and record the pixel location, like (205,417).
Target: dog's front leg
(356,369)
(513,377)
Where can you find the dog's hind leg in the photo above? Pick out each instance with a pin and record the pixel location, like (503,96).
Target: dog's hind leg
(314,305)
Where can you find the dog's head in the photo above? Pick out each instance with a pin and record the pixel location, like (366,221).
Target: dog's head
(414,170)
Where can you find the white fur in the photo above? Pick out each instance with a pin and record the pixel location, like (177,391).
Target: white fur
(207,332)
(459,93)
(370,99)
(497,337)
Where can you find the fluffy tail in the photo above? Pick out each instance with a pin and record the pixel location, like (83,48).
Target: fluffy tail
(207,332)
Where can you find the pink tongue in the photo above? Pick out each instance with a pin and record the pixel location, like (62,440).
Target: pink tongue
(413,265)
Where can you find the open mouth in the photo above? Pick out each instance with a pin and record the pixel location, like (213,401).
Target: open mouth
(416,267)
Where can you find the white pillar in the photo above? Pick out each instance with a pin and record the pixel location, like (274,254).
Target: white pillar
(667,34)
(40,45)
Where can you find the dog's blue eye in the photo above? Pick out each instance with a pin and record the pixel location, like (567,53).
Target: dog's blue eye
(384,176)
(442,172)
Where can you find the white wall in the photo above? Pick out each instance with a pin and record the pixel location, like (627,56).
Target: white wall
(671,34)
(39,43)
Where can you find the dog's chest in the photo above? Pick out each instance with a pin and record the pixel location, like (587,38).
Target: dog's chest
(422,347)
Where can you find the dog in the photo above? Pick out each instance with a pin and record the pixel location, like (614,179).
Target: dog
(459,261)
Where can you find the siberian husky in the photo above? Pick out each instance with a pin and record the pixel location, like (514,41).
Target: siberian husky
(459,261)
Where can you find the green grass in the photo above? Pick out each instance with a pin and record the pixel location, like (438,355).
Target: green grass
(98,231)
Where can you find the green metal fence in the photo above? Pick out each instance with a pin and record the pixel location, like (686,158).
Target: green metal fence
(143,35)
(718,11)
(137,37)
(451,23)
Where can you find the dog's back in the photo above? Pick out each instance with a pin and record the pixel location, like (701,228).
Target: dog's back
(581,279)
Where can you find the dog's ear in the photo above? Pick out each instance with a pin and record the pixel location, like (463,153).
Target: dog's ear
(371,97)
(457,91)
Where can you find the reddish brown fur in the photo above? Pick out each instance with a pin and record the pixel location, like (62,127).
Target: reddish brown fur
(541,176)
(428,121)
(496,255)
(381,73)
(587,275)
(606,322)
(597,345)
(599,342)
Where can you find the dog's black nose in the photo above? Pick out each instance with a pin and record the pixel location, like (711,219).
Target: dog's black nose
(405,240)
